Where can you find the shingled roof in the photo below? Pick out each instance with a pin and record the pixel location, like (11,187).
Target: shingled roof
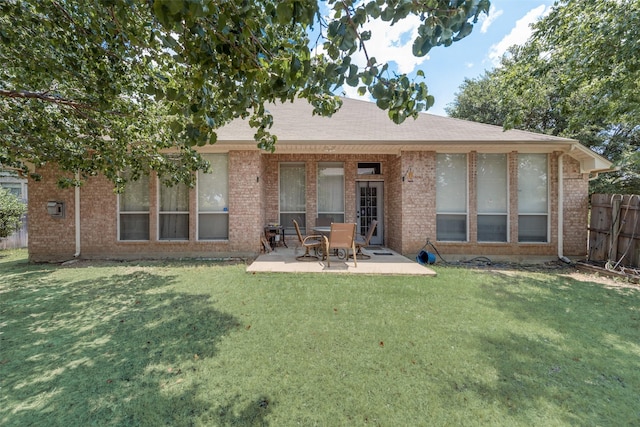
(361,127)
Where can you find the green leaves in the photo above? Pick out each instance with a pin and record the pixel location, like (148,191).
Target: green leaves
(99,87)
(576,77)
(11,211)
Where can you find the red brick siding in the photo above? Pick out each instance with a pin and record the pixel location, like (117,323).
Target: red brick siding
(409,210)
(50,239)
(418,204)
(575,209)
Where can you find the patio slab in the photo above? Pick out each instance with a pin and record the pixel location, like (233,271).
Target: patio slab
(382,261)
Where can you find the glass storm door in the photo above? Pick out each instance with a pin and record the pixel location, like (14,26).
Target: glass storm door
(369,204)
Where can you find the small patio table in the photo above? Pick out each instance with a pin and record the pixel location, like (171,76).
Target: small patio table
(325,230)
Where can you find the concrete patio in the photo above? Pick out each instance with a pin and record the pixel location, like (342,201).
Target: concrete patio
(382,261)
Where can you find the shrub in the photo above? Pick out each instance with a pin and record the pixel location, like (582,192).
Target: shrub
(11,211)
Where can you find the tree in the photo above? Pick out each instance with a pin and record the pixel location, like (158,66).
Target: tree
(11,212)
(102,86)
(577,76)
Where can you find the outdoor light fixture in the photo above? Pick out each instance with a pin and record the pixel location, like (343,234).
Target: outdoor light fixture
(408,175)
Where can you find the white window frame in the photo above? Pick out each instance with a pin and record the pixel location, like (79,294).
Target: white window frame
(146,212)
(450,212)
(222,208)
(288,225)
(545,213)
(337,216)
(502,213)
(162,213)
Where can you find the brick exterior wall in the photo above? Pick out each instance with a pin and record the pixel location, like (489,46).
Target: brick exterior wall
(50,239)
(409,216)
(575,209)
(418,203)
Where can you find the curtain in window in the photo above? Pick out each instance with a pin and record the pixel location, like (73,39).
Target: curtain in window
(451,197)
(492,197)
(213,196)
(292,195)
(331,191)
(533,198)
(134,210)
(174,212)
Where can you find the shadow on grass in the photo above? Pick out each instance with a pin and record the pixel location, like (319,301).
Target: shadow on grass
(114,350)
(573,350)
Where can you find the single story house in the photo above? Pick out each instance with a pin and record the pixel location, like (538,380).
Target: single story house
(471,189)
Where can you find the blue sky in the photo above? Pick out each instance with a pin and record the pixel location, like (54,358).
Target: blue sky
(508,23)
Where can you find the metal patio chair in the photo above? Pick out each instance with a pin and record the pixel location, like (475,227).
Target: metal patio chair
(362,241)
(341,239)
(314,242)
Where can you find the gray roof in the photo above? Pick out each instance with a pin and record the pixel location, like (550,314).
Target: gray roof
(361,127)
(364,121)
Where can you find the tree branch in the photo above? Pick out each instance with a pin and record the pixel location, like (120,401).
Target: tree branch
(44,97)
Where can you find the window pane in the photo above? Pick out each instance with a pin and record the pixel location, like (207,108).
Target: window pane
(174,226)
(292,188)
(213,188)
(451,227)
(135,197)
(492,183)
(329,218)
(134,226)
(286,220)
(532,228)
(292,196)
(369,168)
(213,226)
(175,198)
(532,183)
(451,183)
(15,189)
(492,228)
(330,188)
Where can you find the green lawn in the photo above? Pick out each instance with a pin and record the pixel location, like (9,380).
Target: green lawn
(200,343)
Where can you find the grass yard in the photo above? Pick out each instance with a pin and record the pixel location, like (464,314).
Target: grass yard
(205,344)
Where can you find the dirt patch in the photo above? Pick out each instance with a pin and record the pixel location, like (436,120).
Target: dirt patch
(580,272)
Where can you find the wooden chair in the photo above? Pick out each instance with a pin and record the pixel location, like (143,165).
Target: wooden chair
(342,237)
(314,242)
(364,240)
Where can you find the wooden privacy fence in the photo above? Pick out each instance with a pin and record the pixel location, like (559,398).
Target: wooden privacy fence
(614,230)
(19,239)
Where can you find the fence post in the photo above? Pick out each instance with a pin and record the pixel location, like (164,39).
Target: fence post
(615,228)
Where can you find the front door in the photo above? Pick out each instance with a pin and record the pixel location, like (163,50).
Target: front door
(369,204)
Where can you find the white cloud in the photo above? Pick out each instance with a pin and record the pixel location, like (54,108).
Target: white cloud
(487,20)
(518,35)
(392,43)
(352,92)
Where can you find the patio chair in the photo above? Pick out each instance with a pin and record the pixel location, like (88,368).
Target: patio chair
(364,240)
(314,242)
(342,238)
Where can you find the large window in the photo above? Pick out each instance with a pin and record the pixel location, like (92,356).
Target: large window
(133,221)
(451,197)
(533,198)
(492,197)
(292,196)
(213,197)
(331,191)
(173,221)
